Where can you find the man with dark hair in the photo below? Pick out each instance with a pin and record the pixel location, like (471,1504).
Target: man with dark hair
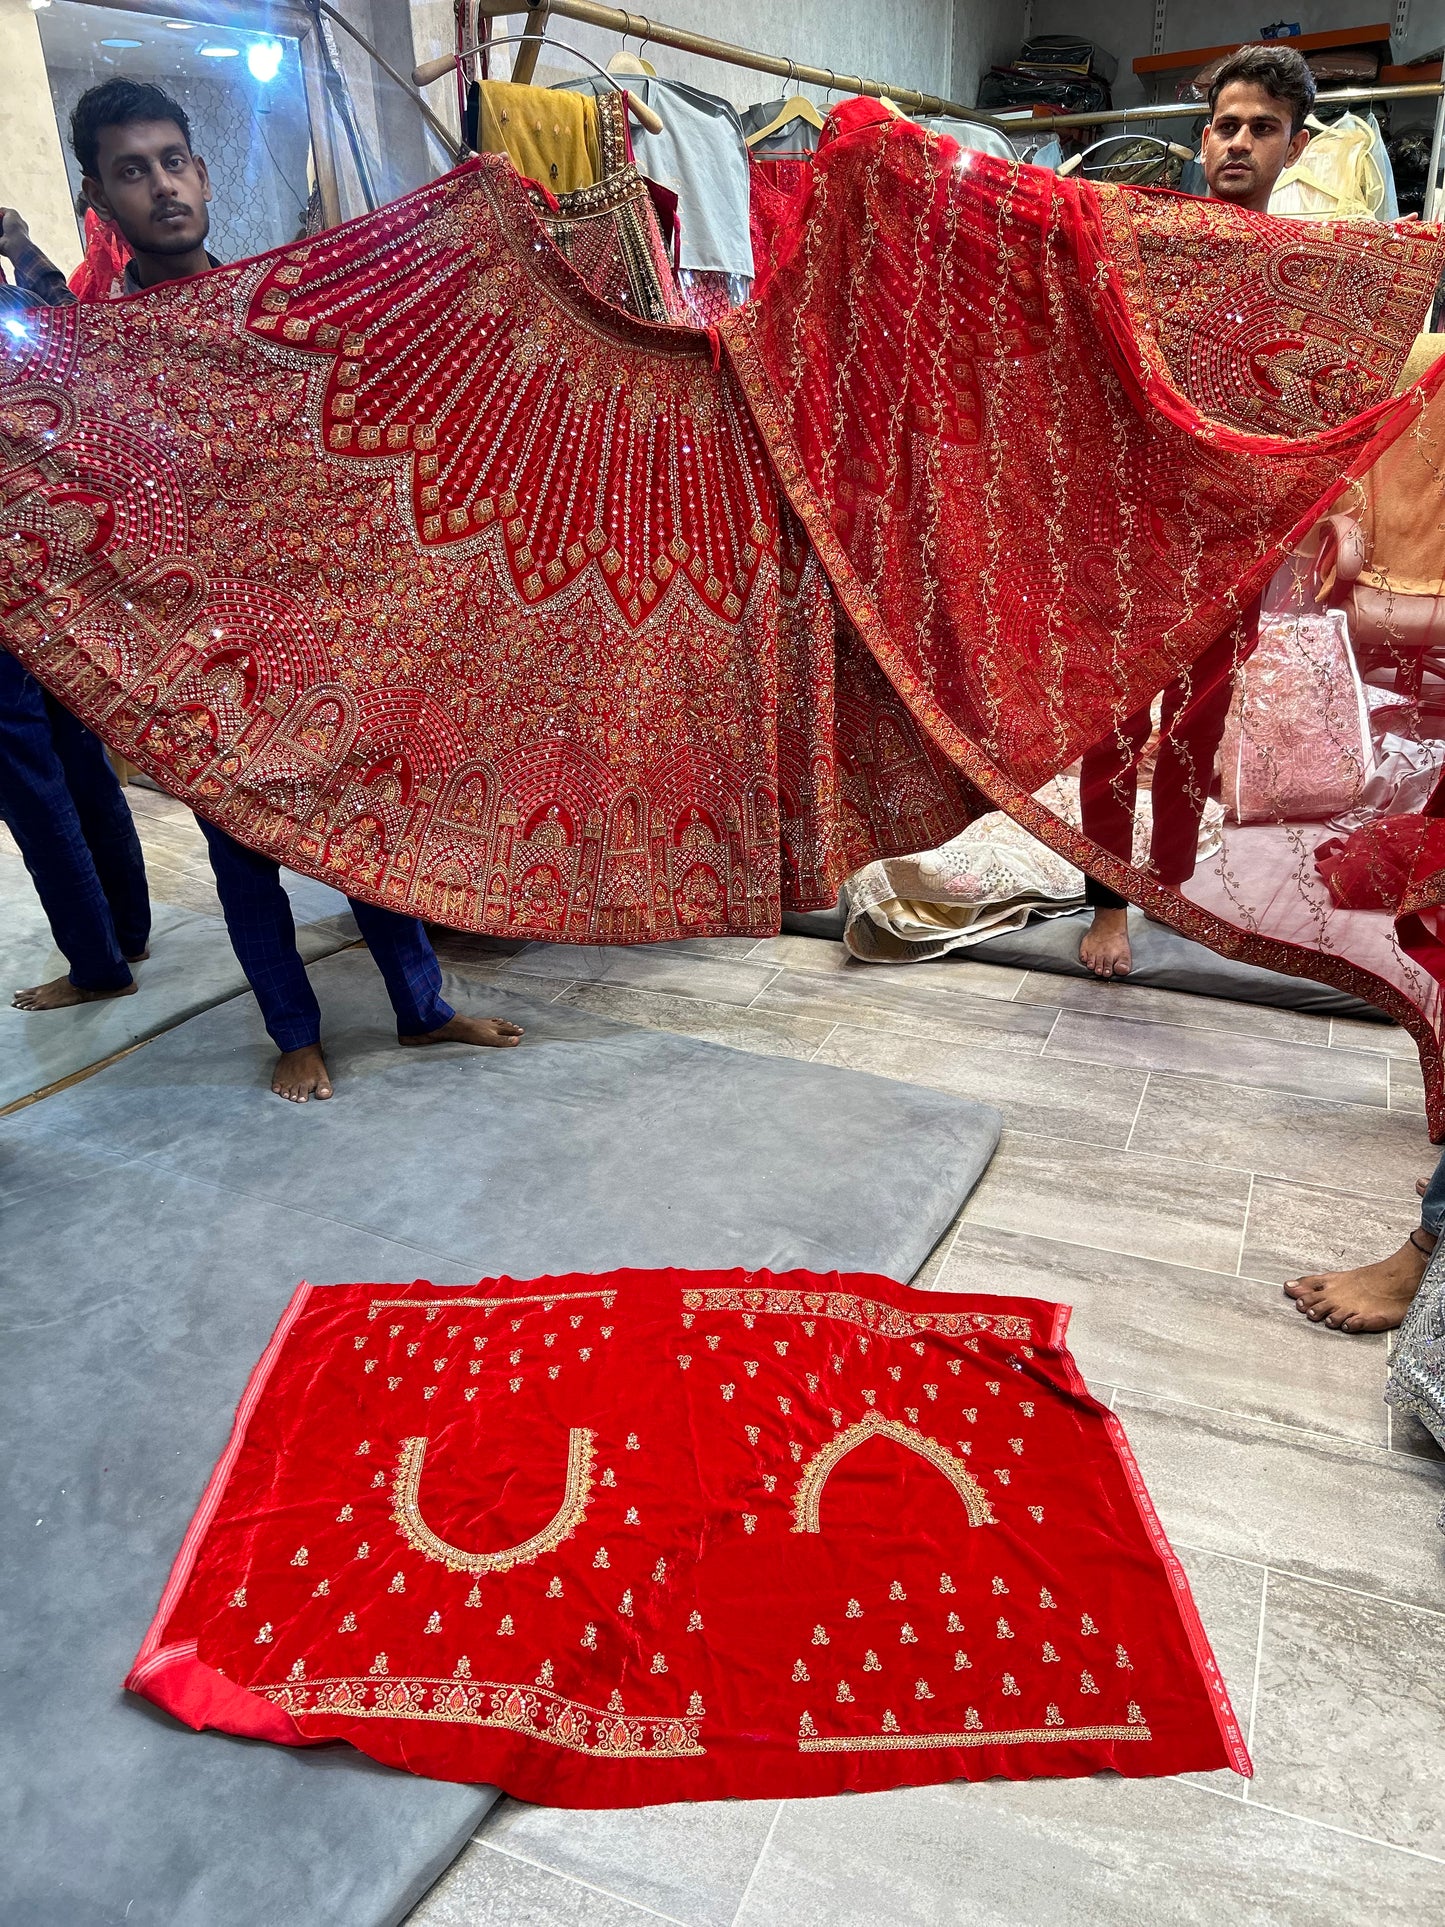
(1258,102)
(133,141)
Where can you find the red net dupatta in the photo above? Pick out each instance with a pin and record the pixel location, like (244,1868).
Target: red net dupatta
(1050,442)
(613,1540)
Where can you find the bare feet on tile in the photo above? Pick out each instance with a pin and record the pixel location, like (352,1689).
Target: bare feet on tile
(301,1074)
(1104,946)
(61,994)
(494,1032)
(1371,1298)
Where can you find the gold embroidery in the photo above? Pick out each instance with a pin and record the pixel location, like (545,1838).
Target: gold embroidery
(531,1710)
(432,1306)
(867,1312)
(1010,1736)
(406,1510)
(808,1497)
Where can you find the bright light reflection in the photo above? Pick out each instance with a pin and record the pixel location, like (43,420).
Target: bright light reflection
(263,58)
(220,53)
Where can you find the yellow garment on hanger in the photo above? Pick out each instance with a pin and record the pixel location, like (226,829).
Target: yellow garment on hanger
(549,134)
(1337,178)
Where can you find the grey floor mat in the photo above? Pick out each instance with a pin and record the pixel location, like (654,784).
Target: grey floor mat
(1163,960)
(157,1217)
(191,967)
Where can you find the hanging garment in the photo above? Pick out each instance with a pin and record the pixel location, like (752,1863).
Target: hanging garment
(610,233)
(972,135)
(549,138)
(702,157)
(613,1540)
(415,566)
(101,275)
(1342,175)
(779,192)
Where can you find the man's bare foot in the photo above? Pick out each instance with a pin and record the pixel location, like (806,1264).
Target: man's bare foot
(1372,1298)
(1104,946)
(140,956)
(61,994)
(300,1074)
(493,1031)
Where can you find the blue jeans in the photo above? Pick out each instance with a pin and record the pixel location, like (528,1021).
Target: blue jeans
(263,936)
(1432,1205)
(67,812)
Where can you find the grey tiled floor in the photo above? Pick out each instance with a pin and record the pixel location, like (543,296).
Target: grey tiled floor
(1168,1161)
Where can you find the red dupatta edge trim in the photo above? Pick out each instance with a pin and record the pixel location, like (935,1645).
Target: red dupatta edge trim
(1225,1717)
(173,1677)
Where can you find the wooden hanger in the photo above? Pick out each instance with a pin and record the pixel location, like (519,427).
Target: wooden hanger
(626,63)
(799,108)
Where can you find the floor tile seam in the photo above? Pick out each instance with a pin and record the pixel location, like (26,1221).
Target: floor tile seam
(1309,1820)
(1294,1578)
(1274,1425)
(1241,1170)
(156,1163)
(1219,1030)
(1134,1121)
(1114,1251)
(1303,1097)
(937,1039)
(1254,1680)
(1062,1054)
(757,1864)
(575,1880)
(1244,1228)
(821,1044)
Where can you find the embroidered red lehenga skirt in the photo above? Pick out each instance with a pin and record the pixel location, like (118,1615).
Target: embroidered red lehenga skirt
(607,1541)
(413,564)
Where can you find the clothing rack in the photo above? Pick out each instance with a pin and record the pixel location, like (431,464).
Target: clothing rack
(640,27)
(1191,109)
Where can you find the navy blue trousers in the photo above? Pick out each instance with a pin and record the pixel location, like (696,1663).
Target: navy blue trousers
(263,936)
(67,812)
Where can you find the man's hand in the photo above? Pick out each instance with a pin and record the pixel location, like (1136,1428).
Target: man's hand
(13,231)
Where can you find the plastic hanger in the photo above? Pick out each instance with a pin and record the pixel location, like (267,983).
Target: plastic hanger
(626,63)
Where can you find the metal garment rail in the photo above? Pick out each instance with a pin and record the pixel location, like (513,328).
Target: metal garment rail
(640,27)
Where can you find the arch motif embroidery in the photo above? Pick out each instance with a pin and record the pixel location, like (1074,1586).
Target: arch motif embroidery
(808,1498)
(406,1510)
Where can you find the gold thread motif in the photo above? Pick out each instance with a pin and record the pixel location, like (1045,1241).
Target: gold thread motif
(808,1498)
(406,1510)
(1009,1736)
(434,1305)
(867,1312)
(529,1710)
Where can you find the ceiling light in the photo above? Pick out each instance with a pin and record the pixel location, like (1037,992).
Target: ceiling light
(121,43)
(220,53)
(264,57)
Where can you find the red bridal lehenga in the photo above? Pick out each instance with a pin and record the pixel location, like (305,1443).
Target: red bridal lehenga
(417,566)
(608,1541)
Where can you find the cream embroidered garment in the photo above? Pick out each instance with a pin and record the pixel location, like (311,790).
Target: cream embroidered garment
(991,878)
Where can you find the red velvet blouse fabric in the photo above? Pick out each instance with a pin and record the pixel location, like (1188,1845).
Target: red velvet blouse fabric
(612,1540)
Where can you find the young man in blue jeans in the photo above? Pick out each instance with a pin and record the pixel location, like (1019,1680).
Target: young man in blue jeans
(133,143)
